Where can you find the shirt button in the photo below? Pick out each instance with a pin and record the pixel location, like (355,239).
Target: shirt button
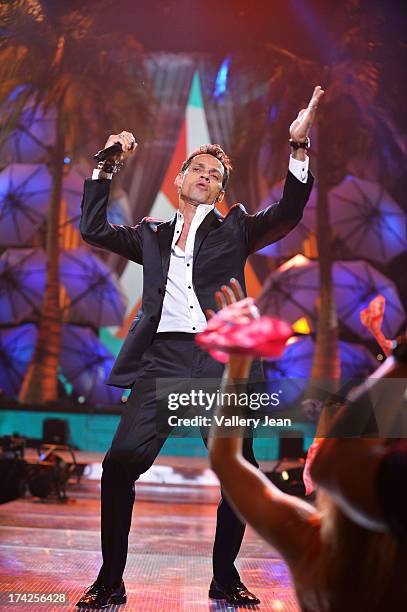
(152,319)
(189,287)
(191,306)
(194,328)
(160,291)
(188,264)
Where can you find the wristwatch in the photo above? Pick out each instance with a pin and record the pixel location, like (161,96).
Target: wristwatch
(300,145)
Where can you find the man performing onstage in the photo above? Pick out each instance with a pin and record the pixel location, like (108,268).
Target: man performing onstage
(185,260)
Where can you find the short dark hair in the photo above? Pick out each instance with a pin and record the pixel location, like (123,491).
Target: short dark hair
(217,151)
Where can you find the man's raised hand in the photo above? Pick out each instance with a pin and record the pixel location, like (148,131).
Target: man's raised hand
(127,141)
(301,126)
(232,307)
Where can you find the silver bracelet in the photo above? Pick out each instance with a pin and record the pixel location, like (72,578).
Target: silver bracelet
(110,166)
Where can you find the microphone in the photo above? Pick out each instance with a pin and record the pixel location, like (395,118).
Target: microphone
(110,152)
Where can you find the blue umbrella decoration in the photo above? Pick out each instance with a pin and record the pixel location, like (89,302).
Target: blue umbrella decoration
(86,363)
(291,291)
(367,219)
(24,195)
(24,199)
(96,298)
(93,289)
(22,284)
(291,373)
(35,133)
(16,349)
(356,284)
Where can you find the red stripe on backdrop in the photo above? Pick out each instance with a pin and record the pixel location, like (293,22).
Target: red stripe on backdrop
(180,154)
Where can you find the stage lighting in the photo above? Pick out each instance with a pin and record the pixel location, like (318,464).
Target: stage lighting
(48,476)
(222,78)
(289,480)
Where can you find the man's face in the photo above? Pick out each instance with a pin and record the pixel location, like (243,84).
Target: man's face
(201,183)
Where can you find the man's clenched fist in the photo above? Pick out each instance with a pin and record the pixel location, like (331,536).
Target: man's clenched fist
(127,141)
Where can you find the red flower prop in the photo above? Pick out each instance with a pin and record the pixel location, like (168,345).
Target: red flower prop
(306,476)
(372,318)
(235,330)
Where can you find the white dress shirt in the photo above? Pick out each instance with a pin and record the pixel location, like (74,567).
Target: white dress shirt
(181,310)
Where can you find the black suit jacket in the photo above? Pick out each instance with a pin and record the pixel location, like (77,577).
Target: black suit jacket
(222,245)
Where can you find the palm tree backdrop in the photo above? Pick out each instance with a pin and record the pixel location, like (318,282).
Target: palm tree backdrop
(350,123)
(58,56)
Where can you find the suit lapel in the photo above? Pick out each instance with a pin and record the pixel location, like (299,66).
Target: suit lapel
(211,221)
(165,233)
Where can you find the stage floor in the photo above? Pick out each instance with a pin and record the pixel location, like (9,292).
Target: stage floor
(52,547)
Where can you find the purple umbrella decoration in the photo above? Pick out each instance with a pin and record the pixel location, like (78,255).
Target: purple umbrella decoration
(86,363)
(16,349)
(291,291)
(367,219)
(31,140)
(24,199)
(292,243)
(92,287)
(292,372)
(24,196)
(356,284)
(94,290)
(22,284)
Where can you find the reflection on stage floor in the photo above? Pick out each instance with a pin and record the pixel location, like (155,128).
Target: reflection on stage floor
(52,547)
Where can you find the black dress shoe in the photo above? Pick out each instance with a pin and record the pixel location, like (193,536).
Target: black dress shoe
(100,596)
(237,595)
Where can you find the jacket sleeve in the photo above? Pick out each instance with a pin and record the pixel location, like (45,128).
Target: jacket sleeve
(277,220)
(97,231)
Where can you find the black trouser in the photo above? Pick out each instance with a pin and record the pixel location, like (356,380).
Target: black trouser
(136,444)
